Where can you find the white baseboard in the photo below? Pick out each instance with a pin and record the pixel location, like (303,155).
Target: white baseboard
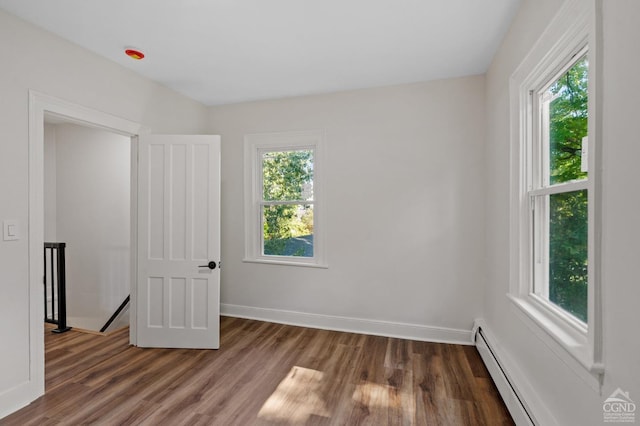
(351,325)
(521,400)
(18,397)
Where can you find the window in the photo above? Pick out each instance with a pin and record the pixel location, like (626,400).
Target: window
(287,202)
(283,198)
(559,191)
(554,256)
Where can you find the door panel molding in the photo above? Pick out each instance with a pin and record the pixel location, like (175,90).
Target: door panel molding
(178,236)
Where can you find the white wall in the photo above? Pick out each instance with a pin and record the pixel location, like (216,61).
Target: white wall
(404,174)
(621,228)
(92,189)
(50,196)
(35,59)
(563,395)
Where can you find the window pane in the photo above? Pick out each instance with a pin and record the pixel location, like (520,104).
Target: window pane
(567,123)
(568,252)
(288,230)
(287,175)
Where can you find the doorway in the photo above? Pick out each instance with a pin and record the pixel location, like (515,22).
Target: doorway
(87,195)
(41,106)
(175,282)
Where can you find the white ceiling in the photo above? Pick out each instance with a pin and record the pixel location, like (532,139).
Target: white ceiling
(227,51)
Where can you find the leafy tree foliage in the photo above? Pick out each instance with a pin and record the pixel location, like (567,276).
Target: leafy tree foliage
(568,116)
(287,176)
(568,252)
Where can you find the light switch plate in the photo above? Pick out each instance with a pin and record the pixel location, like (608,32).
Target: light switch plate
(11,230)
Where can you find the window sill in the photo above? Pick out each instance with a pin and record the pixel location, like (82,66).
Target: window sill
(567,342)
(286,263)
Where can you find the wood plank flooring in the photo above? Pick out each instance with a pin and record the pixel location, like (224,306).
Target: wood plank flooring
(264,374)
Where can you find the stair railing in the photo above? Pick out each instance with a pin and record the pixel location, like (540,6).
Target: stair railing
(55,297)
(115,314)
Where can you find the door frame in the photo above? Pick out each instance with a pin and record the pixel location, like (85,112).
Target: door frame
(41,105)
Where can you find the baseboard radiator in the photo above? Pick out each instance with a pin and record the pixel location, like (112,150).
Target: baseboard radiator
(516,406)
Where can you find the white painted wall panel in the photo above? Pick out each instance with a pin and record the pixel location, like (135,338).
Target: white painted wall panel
(621,204)
(404,214)
(93,219)
(50,183)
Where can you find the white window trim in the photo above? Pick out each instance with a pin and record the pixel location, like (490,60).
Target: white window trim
(575,26)
(254,144)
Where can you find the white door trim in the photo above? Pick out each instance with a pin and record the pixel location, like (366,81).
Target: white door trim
(39,106)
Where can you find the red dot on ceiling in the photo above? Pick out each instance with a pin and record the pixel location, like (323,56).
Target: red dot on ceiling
(135,54)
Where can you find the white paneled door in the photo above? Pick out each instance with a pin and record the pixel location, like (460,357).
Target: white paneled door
(178,285)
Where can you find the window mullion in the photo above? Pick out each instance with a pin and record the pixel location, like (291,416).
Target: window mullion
(284,203)
(560,188)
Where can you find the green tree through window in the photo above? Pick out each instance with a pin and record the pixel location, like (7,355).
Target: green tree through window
(568,211)
(287,203)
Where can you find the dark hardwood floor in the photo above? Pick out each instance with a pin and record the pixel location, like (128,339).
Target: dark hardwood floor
(264,374)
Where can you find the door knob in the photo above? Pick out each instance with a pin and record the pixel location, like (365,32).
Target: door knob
(210,265)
